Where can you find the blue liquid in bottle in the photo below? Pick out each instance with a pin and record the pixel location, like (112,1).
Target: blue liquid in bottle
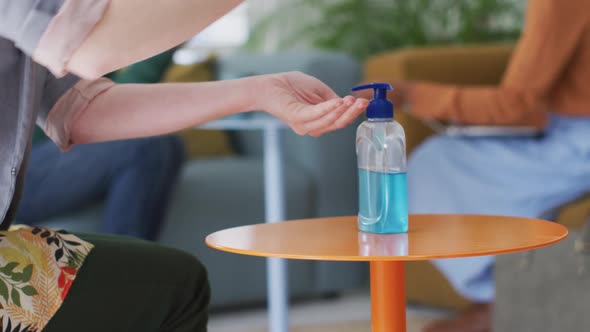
(381,158)
(383,202)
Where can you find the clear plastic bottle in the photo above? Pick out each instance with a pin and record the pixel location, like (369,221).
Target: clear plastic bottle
(381,155)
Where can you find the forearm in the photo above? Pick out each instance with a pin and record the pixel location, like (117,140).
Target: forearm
(136,110)
(133,30)
(478,105)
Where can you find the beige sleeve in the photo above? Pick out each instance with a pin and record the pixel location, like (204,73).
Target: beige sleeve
(69,107)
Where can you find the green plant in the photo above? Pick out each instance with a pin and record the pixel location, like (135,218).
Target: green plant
(366,27)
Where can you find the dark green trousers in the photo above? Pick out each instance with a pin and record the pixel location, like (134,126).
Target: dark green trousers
(130,285)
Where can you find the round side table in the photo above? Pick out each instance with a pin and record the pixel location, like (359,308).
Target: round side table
(429,237)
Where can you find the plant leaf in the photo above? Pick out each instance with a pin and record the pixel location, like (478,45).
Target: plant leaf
(59,254)
(7,269)
(366,27)
(29,290)
(3,290)
(17,328)
(16,276)
(15,296)
(27,273)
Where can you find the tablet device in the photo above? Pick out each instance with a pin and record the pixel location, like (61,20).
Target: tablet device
(481,131)
(450,129)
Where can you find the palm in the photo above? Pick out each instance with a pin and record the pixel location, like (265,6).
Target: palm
(301,90)
(308,105)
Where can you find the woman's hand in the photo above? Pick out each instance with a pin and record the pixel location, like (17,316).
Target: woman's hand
(306,104)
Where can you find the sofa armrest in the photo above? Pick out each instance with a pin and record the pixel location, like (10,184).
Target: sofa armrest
(476,64)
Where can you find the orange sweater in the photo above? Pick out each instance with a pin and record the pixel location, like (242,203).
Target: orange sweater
(549,71)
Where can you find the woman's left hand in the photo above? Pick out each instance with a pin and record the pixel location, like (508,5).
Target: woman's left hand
(306,104)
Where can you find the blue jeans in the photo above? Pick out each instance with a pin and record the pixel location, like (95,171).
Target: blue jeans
(134,179)
(524,177)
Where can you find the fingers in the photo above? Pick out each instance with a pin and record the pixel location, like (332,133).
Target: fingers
(320,110)
(327,120)
(366,94)
(352,113)
(334,121)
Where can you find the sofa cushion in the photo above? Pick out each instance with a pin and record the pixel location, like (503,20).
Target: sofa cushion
(220,193)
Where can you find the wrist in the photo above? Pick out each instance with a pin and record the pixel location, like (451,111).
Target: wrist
(244,94)
(258,88)
(255,87)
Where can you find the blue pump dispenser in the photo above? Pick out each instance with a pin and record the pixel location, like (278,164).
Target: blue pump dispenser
(381,156)
(380,107)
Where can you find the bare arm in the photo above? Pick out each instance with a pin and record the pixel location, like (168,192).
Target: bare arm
(135,110)
(133,30)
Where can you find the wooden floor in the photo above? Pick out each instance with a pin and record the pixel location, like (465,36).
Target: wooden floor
(349,313)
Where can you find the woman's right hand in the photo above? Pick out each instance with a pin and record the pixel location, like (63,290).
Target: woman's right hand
(306,104)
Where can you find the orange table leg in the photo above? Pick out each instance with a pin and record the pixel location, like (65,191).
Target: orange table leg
(388,296)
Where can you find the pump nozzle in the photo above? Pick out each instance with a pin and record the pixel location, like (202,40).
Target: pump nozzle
(380,107)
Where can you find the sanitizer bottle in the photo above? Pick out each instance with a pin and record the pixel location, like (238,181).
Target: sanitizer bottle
(381,155)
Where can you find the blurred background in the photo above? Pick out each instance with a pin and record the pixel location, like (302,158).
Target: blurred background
(360,28)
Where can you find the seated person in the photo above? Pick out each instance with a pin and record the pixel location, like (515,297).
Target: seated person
(545,87)
(134,178)
(64,282)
